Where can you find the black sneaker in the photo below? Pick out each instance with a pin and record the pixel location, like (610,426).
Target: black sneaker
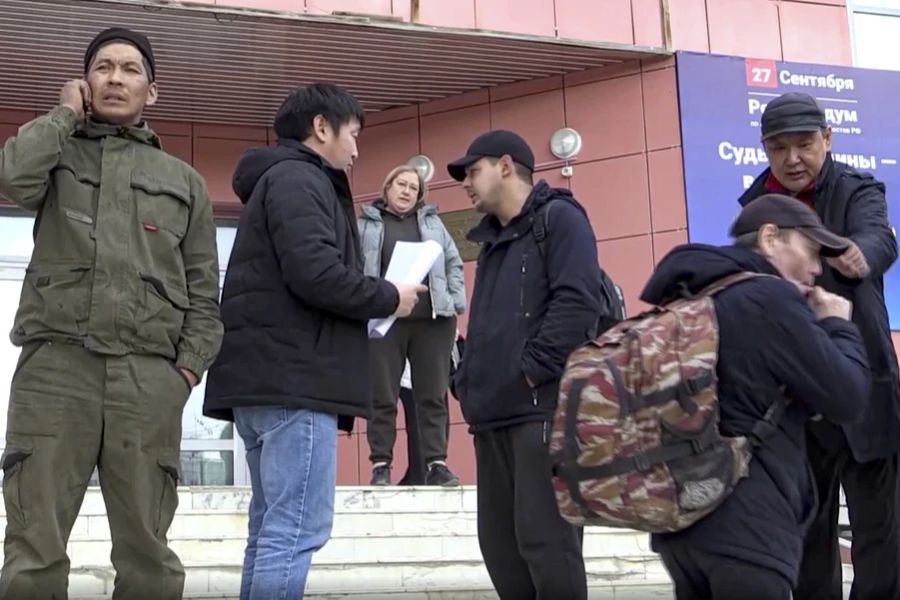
(381,475)
(439,474)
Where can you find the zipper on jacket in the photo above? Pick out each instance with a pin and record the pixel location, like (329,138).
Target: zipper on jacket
(522,287)
(534,396)
(420,222)
(380,247)
(430,295)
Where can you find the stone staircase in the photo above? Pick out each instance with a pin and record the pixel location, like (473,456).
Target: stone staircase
(387,543)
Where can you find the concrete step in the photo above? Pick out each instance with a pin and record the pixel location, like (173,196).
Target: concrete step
(348,499)
(456,580)
(609,553)
(387,542)
(389,548)
(203,523)
(625,591)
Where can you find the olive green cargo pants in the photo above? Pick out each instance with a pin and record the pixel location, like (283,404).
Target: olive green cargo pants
(69,411)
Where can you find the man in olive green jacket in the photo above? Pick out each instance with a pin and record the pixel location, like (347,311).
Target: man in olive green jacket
(117,321)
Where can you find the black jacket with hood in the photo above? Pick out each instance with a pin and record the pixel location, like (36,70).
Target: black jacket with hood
(768,338)
(530,308)
(295,301)
(852,204)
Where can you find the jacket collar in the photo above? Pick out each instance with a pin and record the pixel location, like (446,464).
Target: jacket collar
(140,133)
(826,175)
(373,211)
(490,231)
(823,181)
(338,177)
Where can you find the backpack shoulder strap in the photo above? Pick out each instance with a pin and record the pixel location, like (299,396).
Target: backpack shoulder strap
(540,229)
(766,427)
(728,281)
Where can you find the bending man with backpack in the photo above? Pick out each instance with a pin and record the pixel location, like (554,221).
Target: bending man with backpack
(780,341)
(534,301)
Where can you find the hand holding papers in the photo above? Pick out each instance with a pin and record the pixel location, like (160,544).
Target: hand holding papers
(410,263)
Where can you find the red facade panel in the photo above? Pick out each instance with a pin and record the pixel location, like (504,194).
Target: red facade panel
(804,26)
(533,117)
(689,25)
(445,136)
(534,17)
(608,21)
(647,23)
(616,196)
(629,261)
(609,115)
(215,159)
(661,109)
(667,240)
(667,202)
(744,28)
(447,13)
(381,148)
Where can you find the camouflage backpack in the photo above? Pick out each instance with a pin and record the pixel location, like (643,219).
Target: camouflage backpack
(635,441)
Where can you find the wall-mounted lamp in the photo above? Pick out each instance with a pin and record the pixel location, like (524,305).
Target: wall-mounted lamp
(423,165)
(565,144)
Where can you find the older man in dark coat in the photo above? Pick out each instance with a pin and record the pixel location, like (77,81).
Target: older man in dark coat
(862,456)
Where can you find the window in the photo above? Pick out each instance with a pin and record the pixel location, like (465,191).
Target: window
(875,31)
(211,453)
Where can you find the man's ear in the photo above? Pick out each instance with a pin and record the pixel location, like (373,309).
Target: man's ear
(766,236)
(321,128)
(506,166)
(152,94)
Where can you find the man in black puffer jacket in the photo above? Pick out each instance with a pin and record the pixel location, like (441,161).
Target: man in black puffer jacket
(532,304)
(779,337)
(293,366)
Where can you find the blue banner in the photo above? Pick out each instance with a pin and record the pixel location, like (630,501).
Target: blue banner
(721,100)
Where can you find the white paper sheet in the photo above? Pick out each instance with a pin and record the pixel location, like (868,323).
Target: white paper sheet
(410,263)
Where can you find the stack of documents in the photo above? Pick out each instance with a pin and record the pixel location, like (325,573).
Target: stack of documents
(410,263)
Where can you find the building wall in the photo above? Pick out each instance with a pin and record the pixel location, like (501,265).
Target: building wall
(782,29)
(629,172)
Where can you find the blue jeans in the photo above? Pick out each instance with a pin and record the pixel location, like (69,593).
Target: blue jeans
(292,455)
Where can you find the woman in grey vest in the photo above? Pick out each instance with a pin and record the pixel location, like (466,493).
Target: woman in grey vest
(425,338)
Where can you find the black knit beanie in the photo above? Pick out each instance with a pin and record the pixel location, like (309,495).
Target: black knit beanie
(120,34)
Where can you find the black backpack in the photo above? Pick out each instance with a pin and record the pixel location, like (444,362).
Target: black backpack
(615,300)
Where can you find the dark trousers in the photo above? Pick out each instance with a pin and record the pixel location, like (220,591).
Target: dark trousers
(529,550)
(416,467)
(427,345)
(871,489)
(701,576)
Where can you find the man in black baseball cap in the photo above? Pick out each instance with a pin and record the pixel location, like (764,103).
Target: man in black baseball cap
(862,455)
(494,144)
(482,169)
(785,350)
(538,294)
(767,225)
(787,213)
